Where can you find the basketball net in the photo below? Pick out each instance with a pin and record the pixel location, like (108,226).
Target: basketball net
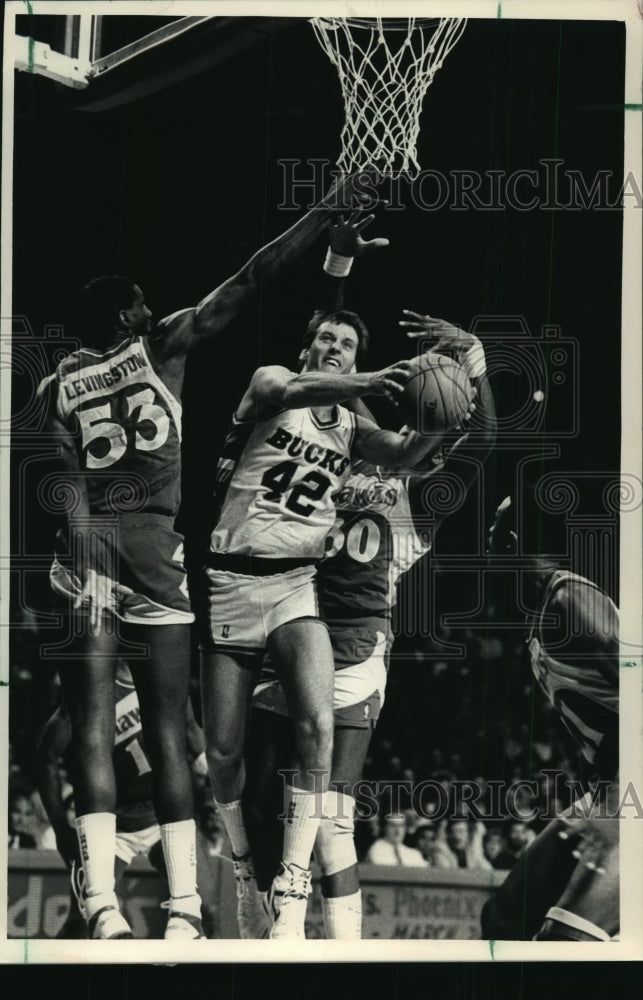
(385,67)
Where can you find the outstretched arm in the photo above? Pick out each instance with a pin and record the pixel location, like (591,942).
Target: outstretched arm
(277,387)
(179,333)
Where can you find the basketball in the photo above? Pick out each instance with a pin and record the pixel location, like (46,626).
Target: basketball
(437,397)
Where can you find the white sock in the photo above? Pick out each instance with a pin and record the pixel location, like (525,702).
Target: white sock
(343,917)
(232,816)
(179,850)
(97,842)
(303,812)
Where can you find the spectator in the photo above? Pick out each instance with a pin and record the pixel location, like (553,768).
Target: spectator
(424,840)
(495,849)
(391,849)
(518,837)
(20,819)
(462,845)
(413,822)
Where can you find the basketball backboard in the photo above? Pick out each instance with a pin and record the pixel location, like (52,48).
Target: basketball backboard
(111,60)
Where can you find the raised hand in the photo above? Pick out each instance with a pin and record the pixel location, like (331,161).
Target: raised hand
(345,236)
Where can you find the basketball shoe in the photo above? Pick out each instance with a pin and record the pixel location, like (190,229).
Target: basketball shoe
(252,917)
(288,900)
(101,913)
(184,919)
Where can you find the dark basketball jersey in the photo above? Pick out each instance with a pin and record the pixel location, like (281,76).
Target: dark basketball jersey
(134,810)
(585,697)
(372,544)
(127,425)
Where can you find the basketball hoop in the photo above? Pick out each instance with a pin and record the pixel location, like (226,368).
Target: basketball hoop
(385,67)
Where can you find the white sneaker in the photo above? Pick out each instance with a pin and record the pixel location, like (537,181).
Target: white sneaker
(182,925)
(288,901)
(252,917)
(104,919)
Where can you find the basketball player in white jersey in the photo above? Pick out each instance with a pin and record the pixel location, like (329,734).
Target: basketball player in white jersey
(384,525)
(566,885)
(113,407)
(286,458)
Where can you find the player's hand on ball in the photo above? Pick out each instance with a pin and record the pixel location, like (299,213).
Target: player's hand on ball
(419,325)
(345,236)
(445,334)
(464,347)
(471,409)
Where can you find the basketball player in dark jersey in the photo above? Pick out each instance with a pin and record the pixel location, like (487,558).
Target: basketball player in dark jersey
(565,886)
(113,408)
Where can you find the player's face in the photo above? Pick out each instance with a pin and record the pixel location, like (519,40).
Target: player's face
(138,318)
(333,350)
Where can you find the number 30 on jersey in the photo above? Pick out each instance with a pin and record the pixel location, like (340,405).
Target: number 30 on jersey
(362,539)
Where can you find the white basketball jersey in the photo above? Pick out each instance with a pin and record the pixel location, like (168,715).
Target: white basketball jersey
(276,483)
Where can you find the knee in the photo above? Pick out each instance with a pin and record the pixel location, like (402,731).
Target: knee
(315,727)
(335,844)
(224,757)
